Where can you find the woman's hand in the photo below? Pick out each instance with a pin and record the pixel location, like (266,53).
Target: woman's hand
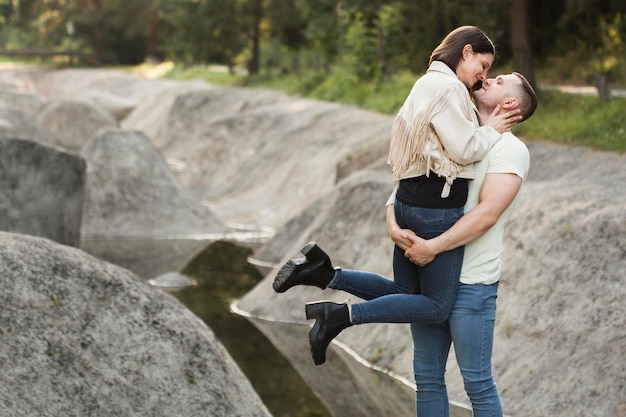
(416,249)
(402,237)
(503,122)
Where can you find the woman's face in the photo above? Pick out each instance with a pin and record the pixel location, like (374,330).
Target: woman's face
(473,67)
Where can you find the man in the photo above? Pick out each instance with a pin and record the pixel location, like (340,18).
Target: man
(498,178)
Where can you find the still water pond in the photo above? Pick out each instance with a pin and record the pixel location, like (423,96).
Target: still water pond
(223,274)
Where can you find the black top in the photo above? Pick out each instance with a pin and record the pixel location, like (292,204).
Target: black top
(425,191)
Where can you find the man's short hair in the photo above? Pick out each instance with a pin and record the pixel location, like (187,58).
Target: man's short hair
(527,97)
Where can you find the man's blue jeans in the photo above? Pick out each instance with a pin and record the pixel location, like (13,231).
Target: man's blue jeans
(417,294)
(470,327)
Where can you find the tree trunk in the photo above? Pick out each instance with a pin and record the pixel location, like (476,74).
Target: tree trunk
(520,38)
(439,26)
(253,64)
(602,84)
(384,66)
(150,39)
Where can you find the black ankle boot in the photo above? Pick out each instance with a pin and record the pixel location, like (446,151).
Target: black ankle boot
(315,269)
(331,319)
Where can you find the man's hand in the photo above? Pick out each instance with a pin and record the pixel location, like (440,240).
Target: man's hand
(416,249)
(421,251)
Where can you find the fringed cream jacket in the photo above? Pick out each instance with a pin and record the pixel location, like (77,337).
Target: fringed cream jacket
(437,130)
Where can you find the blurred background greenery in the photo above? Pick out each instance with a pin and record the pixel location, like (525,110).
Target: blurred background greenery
(361,52)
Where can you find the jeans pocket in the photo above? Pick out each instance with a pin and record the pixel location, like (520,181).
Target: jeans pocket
(426,215)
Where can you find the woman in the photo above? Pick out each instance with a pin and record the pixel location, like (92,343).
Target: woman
(435,139)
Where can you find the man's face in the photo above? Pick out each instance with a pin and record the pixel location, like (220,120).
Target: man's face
(495,90)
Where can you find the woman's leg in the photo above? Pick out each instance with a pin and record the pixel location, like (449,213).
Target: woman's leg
(472,325)
(365,285)
(436,282)
(368,285)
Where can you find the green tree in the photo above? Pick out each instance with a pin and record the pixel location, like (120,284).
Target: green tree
(116,31)
(423,27)
(372,31)
(212,31)
(6,11)
(371,38)
(389,30)
(598,30)
(324,30)
(287,23)
(361,49)
(252,12)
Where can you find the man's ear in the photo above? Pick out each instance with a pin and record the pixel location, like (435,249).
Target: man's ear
(509,103)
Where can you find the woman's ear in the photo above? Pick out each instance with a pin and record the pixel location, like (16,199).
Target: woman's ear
(467,51)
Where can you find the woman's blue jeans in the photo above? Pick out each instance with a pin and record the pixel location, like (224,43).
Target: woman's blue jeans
(417,294)
(470,327)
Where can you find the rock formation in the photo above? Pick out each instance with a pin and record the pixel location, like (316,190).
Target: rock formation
(84,337)
(42,191)
(136,213)
(69,124)
(315,171)
(130,192)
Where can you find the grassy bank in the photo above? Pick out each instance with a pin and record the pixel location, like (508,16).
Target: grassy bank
(571,119)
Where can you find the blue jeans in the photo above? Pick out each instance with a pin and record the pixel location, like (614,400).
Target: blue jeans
(470,327)
(417,294)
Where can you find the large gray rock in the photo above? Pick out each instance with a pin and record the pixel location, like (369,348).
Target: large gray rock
(72,83)
(131,193)
(116,105)
(227,141)
(17,79)
(561,310)
(42,191)
(17,114)
(220,141)
(84,337)
(155,100)
(112,91)
(19,103)
(69,124)
(136,213)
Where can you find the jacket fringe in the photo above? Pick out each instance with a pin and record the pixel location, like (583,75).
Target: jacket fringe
(412,137)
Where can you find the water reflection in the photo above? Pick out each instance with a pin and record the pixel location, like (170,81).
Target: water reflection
(222,274)
(151,256)
(147,258)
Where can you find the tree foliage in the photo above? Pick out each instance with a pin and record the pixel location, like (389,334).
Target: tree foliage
(369,38)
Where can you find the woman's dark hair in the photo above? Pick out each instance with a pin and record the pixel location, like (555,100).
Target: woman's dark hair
(450,50)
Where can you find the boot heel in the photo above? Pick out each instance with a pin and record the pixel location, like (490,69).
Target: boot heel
(314,310)
(315,269)
(312,252)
